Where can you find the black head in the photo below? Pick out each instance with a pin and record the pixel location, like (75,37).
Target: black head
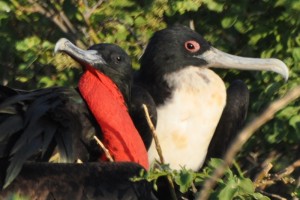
(109,59)
(172,49)
(177,47)
(117,65)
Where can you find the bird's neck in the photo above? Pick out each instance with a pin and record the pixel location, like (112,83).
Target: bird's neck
(108,107)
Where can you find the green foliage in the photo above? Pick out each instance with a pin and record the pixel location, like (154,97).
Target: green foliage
(232,186)
(29,30)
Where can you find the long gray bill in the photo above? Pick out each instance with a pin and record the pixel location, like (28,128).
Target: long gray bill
(219,59)
(83,56)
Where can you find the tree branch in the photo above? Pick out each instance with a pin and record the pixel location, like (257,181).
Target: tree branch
(57,17)
(154,134)
(106,151)
(159,151)
(244,135)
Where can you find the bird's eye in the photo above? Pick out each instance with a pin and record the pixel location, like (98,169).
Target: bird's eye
(118,58)
(192,46)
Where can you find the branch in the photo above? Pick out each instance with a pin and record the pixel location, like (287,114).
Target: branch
(154,134)
(192,24)
(274,196)
(159,151)
(57,17)
(90,11)
(244,135)
(107,154)
(258,181)
(288,170)
(86,16)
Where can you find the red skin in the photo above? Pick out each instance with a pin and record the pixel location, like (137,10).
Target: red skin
(107,104)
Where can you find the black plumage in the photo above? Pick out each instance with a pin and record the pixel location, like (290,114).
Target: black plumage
(190,97)
(79,181)
(41,124)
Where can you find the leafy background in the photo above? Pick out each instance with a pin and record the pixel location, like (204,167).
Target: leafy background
(267,28)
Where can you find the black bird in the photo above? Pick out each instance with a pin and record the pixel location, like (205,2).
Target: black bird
(190,97)
(36,124)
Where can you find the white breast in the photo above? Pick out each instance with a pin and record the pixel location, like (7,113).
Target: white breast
(187,121)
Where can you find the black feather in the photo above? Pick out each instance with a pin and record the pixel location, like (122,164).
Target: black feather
(17,161)
(10,126)
(31,132)
(65,147)
(48,136)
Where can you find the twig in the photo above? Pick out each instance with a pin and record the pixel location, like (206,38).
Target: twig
(194,189)
(192,24)
(57,17)
(67,22)
(154,134)
(86,16)
(288,170)
(277,177)
(158,148)
(90,11)
(244,135)
(274,196)
(258,182)
(35,7)
(107,154)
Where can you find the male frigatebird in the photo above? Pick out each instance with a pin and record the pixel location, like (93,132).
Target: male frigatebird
(36,124)
(190,97)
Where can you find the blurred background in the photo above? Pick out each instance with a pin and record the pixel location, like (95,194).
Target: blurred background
(29,30)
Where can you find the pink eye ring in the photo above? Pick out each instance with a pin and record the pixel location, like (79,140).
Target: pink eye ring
(192,46)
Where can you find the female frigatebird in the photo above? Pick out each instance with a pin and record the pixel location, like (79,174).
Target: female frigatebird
(36,124)
(190,97)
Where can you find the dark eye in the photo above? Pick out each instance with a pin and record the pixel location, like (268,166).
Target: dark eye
(118,58)
(192,46)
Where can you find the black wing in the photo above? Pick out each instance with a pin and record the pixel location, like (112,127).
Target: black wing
(36,124)
(232,119)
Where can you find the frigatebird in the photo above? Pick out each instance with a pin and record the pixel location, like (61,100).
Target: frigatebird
(36,124)
(190,97)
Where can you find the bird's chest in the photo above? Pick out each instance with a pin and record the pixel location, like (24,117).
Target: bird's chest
(187,120)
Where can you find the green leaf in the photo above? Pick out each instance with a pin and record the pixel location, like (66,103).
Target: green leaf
(4,7)
(227,22)
(296,54)
(28,43)
(295,123)
(287,112)
(228,191)
(215,162)
(184,179)
(245,186)
(214,5)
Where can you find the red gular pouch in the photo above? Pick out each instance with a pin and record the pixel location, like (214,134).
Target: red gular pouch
(107,104)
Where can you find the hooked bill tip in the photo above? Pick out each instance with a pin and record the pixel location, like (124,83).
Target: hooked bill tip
(281,68)
(60,45)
